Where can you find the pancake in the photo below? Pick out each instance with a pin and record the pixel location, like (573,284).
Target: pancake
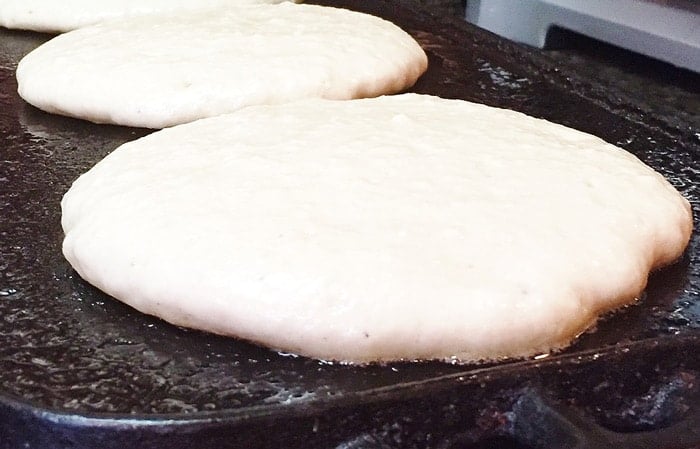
(159,71)
(403,227)
(50,16)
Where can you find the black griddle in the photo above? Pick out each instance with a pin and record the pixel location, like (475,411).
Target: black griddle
(80,370)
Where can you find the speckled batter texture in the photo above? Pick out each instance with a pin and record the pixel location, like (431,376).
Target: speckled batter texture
(405,227)
(51,16)
(160,71)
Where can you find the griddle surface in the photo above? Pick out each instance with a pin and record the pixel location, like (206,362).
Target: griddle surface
(65,346)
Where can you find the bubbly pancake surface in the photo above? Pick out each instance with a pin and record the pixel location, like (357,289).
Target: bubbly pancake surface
(402,227)
(161,70)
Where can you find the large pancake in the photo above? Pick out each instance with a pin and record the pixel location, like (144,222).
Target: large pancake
(405,227)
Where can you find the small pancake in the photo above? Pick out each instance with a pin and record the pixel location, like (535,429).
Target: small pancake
(59,16)
(159,71)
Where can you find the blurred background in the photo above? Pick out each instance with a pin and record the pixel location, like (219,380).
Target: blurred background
(657,87)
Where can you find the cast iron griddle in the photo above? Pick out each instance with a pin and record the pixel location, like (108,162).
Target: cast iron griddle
(74,360)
